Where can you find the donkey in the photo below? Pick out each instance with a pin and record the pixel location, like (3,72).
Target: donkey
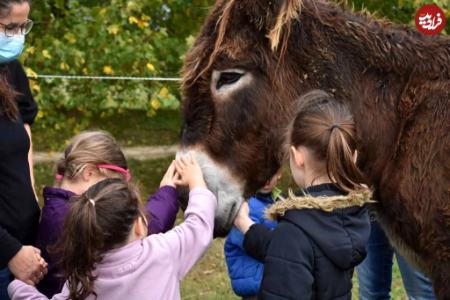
(254,58)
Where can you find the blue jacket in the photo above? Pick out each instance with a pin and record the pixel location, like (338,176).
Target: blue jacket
(245,272)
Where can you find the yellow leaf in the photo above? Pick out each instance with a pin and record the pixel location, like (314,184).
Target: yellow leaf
(164,92)
(30,50)
(155,104)
(64,66)
(133,20)
(85,71)
(30,73)
(70,37)
(46,54)
(142,24)
(108,70)
(40,115)
(150,67)
(113,29)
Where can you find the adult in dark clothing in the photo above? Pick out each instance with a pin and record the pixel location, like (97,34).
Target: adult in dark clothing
(19,211)
(323,230)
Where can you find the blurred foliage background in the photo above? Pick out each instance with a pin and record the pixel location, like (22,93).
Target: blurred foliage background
(110,38)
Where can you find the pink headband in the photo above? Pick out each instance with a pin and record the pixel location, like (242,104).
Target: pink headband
(116,169)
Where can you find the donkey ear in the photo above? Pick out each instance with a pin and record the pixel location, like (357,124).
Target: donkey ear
(288,13)
(274,16)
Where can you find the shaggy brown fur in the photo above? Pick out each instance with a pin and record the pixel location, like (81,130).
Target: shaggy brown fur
(395,80)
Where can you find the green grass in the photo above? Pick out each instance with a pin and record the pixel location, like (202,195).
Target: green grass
(208,280)
(130,128)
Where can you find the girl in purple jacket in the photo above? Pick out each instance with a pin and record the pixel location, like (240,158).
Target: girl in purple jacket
(91,157)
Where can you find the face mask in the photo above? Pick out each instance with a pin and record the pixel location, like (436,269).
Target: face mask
(10,47)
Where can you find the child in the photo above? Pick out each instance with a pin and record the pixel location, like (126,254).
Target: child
(90,157)
(245,272)
(323,230)
(106,253)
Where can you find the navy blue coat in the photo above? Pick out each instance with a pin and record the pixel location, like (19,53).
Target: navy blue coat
(311,254)
(246,272)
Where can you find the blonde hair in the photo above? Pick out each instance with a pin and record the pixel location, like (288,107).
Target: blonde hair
(91,148)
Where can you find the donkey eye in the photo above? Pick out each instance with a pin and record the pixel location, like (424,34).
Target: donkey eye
(227,78)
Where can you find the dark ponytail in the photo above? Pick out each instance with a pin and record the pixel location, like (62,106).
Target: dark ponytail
(99,220)
(326,126)
(8,106)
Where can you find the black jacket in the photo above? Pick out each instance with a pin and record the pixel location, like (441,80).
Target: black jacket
(312,252)
(19,211)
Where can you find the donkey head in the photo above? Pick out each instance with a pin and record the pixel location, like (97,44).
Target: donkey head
(238,91)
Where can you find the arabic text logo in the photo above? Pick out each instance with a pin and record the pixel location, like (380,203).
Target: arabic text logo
(430,19)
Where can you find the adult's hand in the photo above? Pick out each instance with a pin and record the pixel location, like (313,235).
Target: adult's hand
(27,265)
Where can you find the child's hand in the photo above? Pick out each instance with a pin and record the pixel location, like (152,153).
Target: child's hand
(44,270)
(170,176)
(189,172)
(242,220)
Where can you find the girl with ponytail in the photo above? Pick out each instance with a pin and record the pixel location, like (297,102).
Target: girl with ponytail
(323,228)
(106,253)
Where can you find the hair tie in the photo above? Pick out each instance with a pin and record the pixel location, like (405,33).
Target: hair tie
(335,126)
(92,202)
(59,177)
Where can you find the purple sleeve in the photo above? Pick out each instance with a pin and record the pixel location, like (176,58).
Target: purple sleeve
(53,215)
(51,224)
(162,208)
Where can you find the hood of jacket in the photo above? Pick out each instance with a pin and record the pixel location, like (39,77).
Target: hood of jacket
(337,223)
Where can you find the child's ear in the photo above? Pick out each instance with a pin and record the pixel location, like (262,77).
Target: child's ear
(140,227)
(87,173)
(298,156)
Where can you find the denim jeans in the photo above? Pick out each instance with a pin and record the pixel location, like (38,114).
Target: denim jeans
(375,272)
(5,279)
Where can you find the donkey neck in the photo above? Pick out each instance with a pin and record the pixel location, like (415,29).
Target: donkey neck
(370,64)
(385,61)
(382,44)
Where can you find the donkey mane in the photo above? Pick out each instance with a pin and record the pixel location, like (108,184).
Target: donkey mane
(392,47)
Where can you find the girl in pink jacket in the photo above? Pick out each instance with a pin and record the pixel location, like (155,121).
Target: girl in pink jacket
(105,250)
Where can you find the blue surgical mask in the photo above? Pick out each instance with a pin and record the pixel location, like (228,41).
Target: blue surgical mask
(11,47)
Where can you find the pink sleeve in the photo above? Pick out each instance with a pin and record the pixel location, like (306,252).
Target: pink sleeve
(190,240)
(19,290)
